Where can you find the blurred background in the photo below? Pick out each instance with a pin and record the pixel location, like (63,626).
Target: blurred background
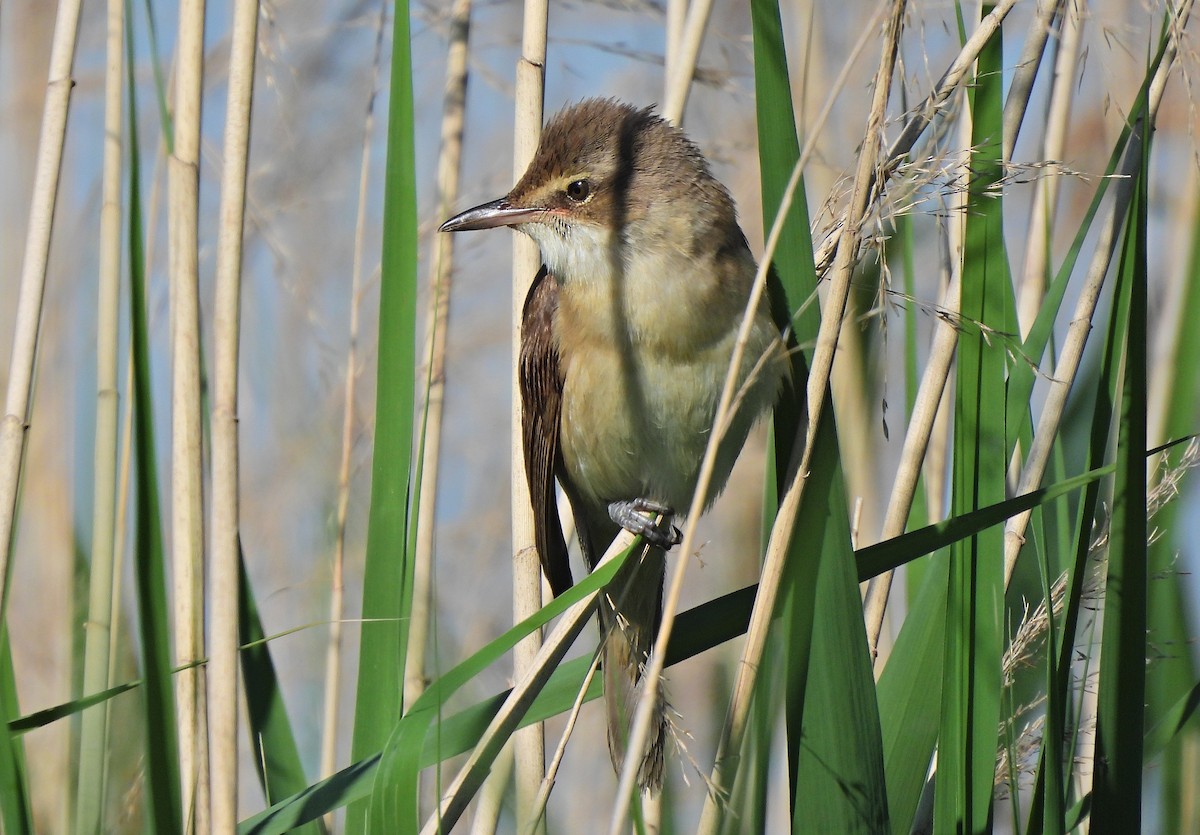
(319,75)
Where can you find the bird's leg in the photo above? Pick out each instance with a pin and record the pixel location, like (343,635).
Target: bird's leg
(637,516)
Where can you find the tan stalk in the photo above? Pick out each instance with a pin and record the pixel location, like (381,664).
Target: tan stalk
(223,598)
(333,649)
(33,273)
(673,39)
(543,795)
(449,166)
(187,513)
(93,735)
(924,113)
(679,80)
(912,455)
(1089,295)
(488,808)
(671,603)
(1045,204)
(529,744)
(123,478)
(930,397)
(1025,73)
(530,683)
(818,390)
(852,404)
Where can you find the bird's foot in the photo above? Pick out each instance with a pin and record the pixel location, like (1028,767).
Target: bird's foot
(638,516)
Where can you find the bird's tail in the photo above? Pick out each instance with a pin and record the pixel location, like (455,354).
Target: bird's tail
(630,613)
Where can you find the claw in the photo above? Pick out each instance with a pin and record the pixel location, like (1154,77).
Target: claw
(637,516)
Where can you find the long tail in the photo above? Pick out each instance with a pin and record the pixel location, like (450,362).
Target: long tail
(630,613)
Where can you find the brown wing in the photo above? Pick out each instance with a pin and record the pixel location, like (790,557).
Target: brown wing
(541,397)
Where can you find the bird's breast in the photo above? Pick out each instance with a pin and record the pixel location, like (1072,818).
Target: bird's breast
(636,418)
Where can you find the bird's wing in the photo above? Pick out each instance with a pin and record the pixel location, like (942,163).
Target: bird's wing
(541,396)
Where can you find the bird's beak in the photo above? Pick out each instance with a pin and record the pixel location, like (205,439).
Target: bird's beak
(490,215)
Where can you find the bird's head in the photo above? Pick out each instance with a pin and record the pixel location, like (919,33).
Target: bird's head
(606,176)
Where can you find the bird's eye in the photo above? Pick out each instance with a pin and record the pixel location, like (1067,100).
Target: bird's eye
(579,190)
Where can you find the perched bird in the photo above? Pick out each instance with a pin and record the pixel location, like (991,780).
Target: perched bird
(626,340)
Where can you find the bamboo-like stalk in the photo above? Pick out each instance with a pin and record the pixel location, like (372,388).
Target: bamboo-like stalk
(560,750)
(912,455)
(223,597)
(924,113)
(441,270)
(529,744)
(486,818)
(93,734)
(124,472)
(1081,321)
(89,812)
(788,510)
(818,389)
(333,649)
(460,791)
(187,512)
(1045,204)
(672,41)
(1019,91)
(684,58)
(33,273)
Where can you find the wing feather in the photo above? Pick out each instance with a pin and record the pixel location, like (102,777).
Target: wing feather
(541,384)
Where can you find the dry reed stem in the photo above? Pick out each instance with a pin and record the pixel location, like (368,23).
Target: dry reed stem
(653,673)
(912,455)
(923,115)
(1045,205)
(187,535)
(543,795)
(490,804)
(818,390)
(223,597)
(551,652)
(528,743)
(33,273)
(1017,103)
(920,433)
(1081,322)
(333,648)
(945,341)
(437,323)
(685,56)
(93,732)
(676,16)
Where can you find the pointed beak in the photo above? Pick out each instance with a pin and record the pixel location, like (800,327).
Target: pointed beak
(490,215)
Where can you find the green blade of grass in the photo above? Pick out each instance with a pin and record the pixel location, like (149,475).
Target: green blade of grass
(387,575)
(1022,375)
(395,772)
(154,628)
(830,700)
(1058,756)
(838,784)
(1170,619)
(893,553)
(1120,711)
(699,629)
(910,695)
(276,755)
(15,812)
(975,602)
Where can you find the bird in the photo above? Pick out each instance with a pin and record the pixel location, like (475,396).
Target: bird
(627,335)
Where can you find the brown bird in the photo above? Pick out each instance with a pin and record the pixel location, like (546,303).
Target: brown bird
(626,339)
